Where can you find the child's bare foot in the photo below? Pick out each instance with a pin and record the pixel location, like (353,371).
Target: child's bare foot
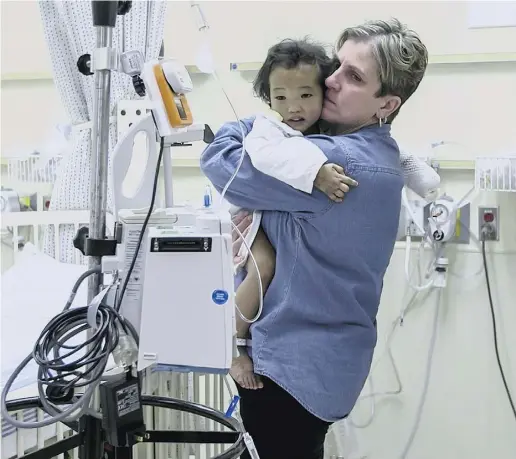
(242,372)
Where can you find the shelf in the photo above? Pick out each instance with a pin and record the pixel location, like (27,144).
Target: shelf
(43,76)
(440,59)
(193,162)
(454,164)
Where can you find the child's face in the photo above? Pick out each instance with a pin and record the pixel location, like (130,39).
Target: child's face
(297,96)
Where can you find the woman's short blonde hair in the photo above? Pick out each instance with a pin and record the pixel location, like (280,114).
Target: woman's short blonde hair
(399,53)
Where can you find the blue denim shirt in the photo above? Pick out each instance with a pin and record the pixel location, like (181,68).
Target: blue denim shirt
(317,332)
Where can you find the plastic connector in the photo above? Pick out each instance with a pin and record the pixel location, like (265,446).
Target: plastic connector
(125,353)
(487,230)
(132,62)
(109,264)
(441,269)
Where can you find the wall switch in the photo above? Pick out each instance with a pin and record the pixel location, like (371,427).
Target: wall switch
(489,223)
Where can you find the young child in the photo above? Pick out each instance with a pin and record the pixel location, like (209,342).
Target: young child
(291,82)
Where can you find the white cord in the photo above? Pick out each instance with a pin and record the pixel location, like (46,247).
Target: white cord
(426,384)
(437,250)
(395,326)
(260,307)
(418,288)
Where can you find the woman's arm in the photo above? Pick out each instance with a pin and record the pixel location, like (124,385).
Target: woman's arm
(251,188)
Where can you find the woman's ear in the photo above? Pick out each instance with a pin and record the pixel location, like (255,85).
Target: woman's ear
(390,105)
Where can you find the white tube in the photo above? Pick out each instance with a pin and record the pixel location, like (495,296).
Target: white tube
(426,384)
(167,177)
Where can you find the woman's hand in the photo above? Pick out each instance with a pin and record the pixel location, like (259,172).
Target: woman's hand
(332,181)
(242,220)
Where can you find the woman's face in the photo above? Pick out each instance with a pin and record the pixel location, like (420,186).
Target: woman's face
(350,98)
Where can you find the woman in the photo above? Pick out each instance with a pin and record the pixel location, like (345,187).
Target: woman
(314,342)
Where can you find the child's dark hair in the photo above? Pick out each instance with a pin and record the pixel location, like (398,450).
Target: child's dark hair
(289,54)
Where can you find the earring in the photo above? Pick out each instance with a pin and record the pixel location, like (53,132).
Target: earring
(382,121)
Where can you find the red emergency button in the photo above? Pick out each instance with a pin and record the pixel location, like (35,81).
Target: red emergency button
(488,217)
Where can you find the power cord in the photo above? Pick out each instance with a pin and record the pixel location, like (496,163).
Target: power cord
(495,333)
(61,377)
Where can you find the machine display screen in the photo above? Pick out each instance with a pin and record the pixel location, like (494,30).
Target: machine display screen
(181,244)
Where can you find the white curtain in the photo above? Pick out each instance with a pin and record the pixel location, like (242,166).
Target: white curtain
(69,33)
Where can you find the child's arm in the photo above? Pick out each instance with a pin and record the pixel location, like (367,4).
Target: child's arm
(299,164)
(329,180)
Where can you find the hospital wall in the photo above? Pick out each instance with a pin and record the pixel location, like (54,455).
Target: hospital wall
(471,106)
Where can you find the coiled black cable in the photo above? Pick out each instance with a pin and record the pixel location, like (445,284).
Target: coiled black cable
(63,366)
(73,368)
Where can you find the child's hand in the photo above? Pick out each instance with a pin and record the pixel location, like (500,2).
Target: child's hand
(332,181)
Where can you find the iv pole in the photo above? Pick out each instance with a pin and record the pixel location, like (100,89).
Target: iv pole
(91,434)
(104,20)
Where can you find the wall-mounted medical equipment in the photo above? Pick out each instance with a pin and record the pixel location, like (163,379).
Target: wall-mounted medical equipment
(444,219)
(172,271)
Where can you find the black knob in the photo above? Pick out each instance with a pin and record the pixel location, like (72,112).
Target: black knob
(84,64)
(59,394)
(438,235)
(208,134)
(124,7)
(79,240)
(139,85)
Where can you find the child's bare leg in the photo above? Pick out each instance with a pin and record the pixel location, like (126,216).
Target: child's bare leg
(248,301)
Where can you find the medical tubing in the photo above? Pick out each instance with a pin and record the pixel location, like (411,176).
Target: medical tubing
(81,404)
(422,401)
(260,285)
(395,326)
(422,230)
(406,202)
(224,190)
(495,332)
(407,269)
(203,27)
(437,249)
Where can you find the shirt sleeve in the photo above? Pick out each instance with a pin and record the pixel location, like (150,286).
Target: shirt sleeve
(283,153)
(223,160)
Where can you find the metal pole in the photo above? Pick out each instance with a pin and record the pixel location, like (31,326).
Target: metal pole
(104,19)
(167,177)
(100,139)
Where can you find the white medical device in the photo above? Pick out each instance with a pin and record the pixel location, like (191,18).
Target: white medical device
(179,295)
(442,219)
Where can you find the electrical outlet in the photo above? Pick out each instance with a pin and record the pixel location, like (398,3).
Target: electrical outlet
(489,223)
